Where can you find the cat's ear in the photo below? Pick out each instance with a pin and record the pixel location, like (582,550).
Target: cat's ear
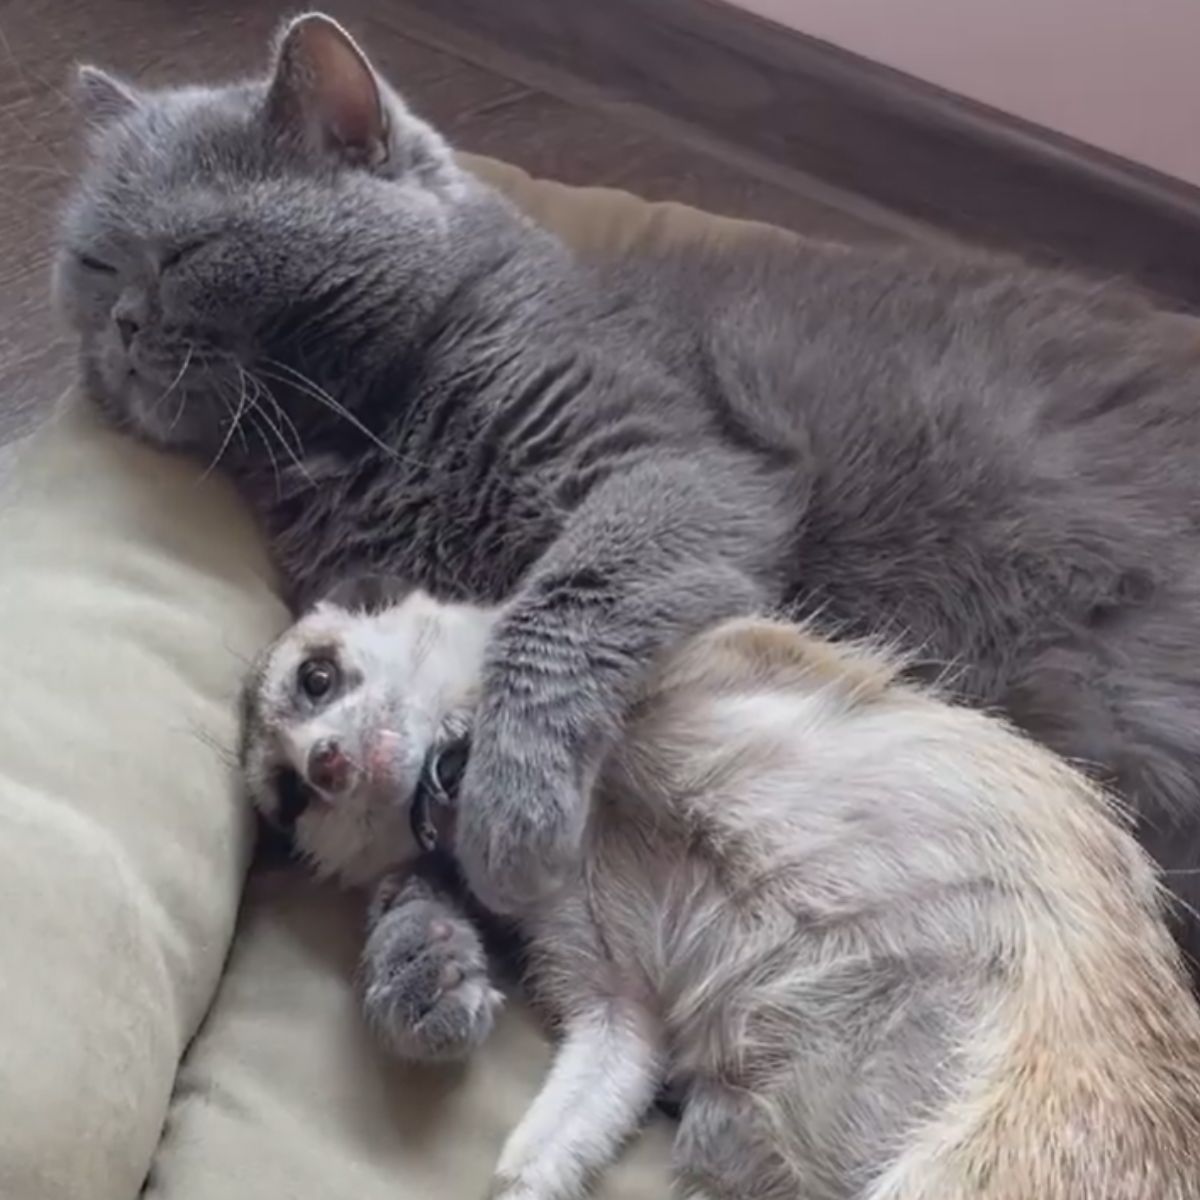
(102,98)
(325,92)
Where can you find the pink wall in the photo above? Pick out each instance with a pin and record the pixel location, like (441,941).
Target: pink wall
(1120,74)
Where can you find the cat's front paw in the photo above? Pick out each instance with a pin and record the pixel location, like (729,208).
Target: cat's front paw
(425,984)
(519,832)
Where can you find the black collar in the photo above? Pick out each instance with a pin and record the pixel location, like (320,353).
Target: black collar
(437,793)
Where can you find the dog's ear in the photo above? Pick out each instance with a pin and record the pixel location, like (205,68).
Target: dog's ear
(368,594)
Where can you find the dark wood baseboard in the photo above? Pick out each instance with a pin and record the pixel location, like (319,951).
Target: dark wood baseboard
(909,151)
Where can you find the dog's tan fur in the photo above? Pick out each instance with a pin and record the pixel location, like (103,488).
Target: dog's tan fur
(888,948)
(1084,1078)
(1076,1069)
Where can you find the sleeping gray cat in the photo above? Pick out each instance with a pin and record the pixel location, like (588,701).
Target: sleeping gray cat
(994,466)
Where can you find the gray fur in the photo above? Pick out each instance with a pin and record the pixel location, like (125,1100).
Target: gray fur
(994,465)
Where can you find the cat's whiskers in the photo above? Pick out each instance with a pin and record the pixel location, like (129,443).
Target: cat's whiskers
(179,407)
(254,417)
(235,420)
(241,434)
(454,568)
(187,359)
(262,391)
(306,386)
(281,414)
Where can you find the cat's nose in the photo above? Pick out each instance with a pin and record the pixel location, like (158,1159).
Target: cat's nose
(128,315)
(328,767)
(127,327)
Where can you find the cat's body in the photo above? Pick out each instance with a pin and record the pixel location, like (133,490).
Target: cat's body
(844,393)
(883,948)
(993,466)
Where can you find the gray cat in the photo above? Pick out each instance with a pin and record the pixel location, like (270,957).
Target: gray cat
(992,465)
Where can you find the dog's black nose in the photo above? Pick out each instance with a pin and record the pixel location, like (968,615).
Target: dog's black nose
(328,766)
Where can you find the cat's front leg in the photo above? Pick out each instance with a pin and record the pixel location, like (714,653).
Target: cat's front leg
(653,555)
(426,988)
(604,1079)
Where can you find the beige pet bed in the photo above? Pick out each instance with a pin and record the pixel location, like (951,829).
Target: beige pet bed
(165,1021)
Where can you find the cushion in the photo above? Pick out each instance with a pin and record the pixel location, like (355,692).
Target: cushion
(135,590)
(131,597)
(284,1094)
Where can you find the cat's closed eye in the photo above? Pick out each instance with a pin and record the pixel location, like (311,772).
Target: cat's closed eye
(96,265)
(179,253)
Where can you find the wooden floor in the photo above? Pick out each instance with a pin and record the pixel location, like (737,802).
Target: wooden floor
(478,98)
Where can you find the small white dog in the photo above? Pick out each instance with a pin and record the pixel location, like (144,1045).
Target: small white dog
(884,947)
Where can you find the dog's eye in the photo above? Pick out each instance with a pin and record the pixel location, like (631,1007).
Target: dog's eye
(317,677)
(96,265)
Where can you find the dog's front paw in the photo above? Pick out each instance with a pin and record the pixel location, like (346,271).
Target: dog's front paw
(425,983)
(505,1187)
(519,834)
